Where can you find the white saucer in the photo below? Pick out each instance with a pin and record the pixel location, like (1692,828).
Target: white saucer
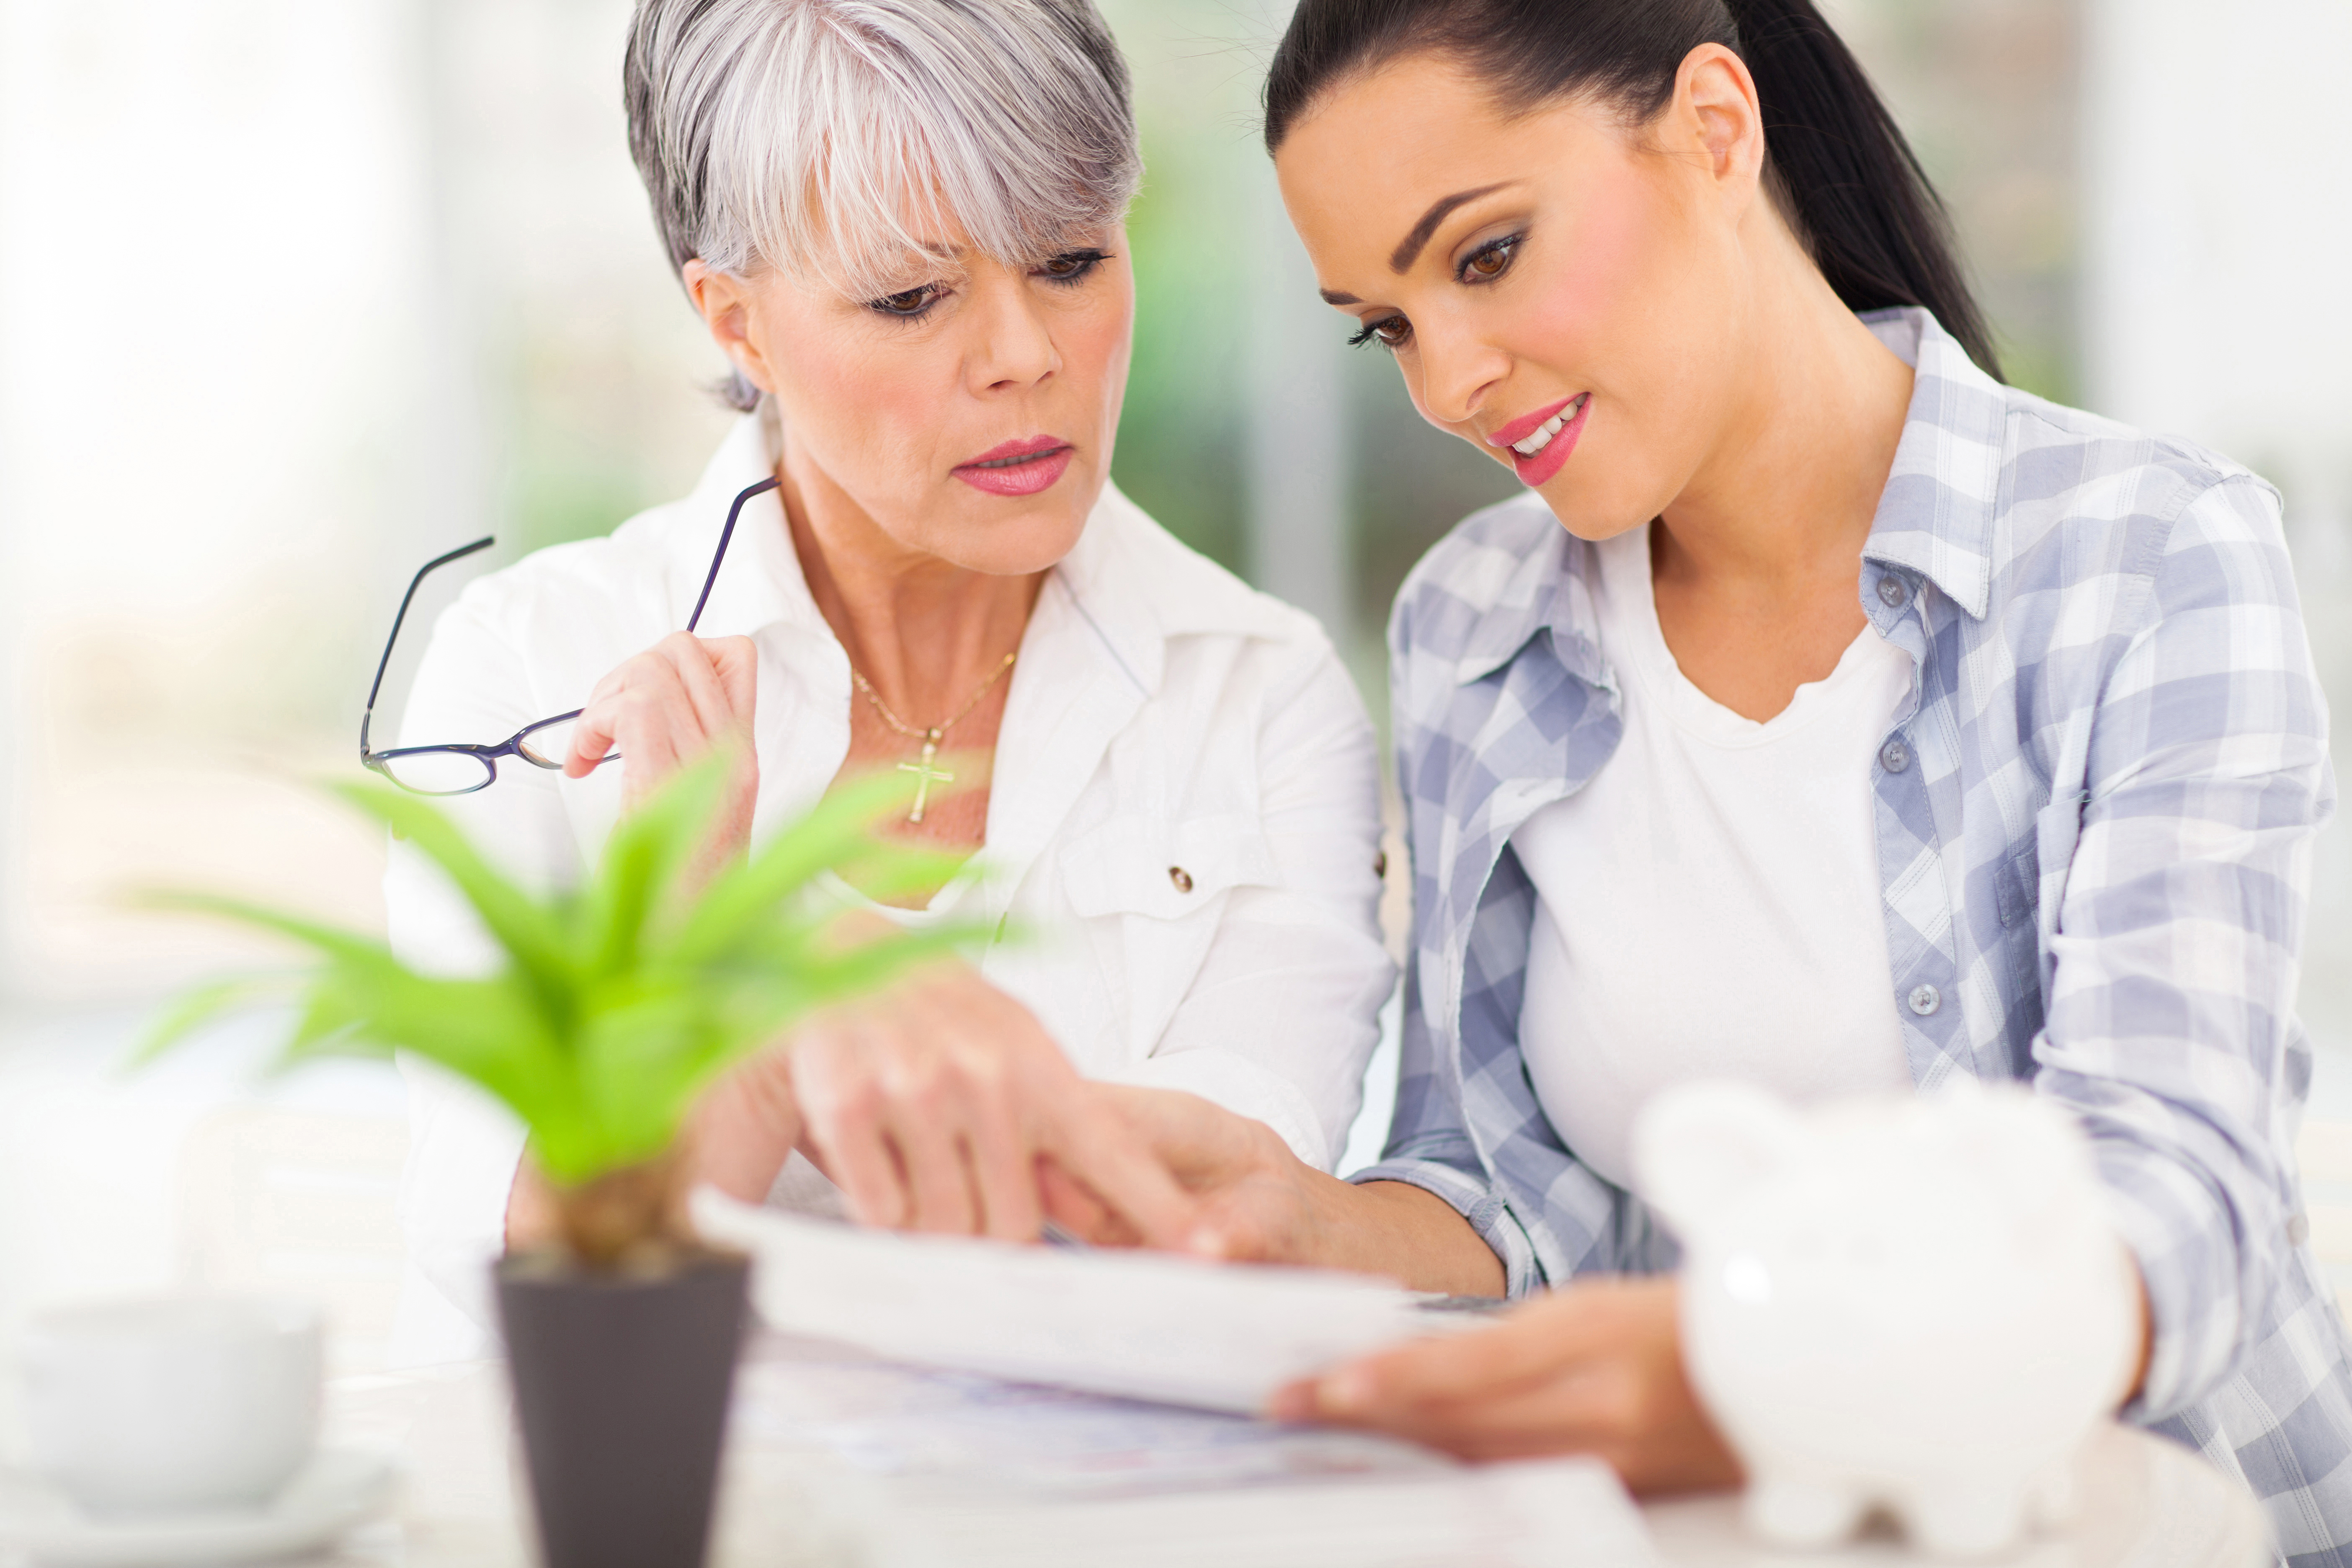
(339,1488)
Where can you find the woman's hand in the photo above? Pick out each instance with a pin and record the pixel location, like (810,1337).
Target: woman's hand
(1254,1200)
(1595,1368)
(745,1127)
(672,705)
(938,1107)
(1259,1202)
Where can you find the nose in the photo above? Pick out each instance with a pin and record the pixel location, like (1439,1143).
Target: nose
(1457,371)
(1014,345)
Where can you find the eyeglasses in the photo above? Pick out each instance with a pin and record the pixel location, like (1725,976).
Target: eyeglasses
(458,769)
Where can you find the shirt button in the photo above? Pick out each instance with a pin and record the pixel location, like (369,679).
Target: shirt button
(1926,1000)
(2299,1230)
(1895,756)
(1182,878)
(1893,589)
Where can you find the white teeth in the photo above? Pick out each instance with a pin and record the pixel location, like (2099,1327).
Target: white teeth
(1549,428)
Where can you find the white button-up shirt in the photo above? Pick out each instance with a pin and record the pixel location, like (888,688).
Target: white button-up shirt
(1183,819)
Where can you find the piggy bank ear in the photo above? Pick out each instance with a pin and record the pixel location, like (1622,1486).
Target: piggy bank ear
(1697,1147)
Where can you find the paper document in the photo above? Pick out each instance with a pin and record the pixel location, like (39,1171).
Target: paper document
(915,1467)
(1145,1325)
(1559,1513)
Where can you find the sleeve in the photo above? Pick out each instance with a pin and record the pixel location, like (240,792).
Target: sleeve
(2172,974)
(1429,1147)
(472,687)
(1429,1143)
(1283,1012)
(1545,1214)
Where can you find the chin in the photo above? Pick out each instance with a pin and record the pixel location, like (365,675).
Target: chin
(1005,542)
(1595,512)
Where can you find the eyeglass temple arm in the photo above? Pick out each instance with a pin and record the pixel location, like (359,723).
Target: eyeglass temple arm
(384,662)
(718,555)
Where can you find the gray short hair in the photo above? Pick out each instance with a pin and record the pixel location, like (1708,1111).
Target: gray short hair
(825,138)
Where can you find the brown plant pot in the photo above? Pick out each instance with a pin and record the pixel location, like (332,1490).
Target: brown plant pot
(621,1387)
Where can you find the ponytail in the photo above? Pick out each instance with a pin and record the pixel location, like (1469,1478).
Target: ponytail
(1839,168)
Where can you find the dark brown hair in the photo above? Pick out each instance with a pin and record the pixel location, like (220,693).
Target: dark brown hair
(1838,165)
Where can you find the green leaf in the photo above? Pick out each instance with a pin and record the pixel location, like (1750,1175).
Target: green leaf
(644,854)
(200,1006)
(619,1003)
(330,941)
(839,827)
(643,1056)
(530,932)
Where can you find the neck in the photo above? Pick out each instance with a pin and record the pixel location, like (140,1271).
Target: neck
(924,631)
(1790,491)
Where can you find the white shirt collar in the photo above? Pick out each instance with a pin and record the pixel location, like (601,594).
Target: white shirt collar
(1128,581)
(1094,653)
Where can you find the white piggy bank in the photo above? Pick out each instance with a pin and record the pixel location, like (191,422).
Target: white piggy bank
(1916,1304)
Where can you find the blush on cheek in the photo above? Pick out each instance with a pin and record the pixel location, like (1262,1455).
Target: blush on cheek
(1095,349)
(866,419)
(1590,310)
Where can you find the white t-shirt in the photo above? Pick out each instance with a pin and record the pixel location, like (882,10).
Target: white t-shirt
(1709,905)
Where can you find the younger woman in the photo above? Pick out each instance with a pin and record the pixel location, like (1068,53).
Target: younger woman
(1827,715)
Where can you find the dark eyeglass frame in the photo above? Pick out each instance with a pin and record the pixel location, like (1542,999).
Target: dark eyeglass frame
(517,745)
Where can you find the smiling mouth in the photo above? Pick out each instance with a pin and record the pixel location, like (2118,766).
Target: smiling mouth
(1541,437)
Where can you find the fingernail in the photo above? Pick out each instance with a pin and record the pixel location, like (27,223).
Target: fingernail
(1344,1391)
(1206,1244)
(1294,1402)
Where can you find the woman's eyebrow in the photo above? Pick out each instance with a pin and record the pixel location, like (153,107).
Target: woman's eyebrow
(1410,250)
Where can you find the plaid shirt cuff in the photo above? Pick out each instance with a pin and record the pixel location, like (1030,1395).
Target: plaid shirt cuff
(1475,1201)
(2173,1226)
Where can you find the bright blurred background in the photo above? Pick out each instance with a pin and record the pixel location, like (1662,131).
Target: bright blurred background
(297,293)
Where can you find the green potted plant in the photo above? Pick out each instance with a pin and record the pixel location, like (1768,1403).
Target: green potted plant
(617,1003)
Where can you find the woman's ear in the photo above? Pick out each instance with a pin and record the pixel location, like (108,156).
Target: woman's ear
(1720,116)
(727,309)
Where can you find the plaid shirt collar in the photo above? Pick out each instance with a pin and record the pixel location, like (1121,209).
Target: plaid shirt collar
(1936,520)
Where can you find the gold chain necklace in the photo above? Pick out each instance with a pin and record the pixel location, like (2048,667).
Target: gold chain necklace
(923,769)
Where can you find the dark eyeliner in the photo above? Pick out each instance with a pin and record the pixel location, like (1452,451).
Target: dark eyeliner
(1507,246)
(1088,259)
(881,306)
(1371,331)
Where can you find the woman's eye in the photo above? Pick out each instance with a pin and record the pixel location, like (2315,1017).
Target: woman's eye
(1392,332)
(1072,264)
(1489,261)
(908,303)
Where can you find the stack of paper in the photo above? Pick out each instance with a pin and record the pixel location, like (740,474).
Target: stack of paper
(1565,1513)
(899,1467)
(1142,1324)
(966,1459)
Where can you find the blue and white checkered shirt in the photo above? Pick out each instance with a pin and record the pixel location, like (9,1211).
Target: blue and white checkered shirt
(2094,826)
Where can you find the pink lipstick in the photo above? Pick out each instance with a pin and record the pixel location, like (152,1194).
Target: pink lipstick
(1552,434)
(1022,468)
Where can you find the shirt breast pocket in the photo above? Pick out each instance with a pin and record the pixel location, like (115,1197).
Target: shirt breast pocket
(2057,829)
(1151,894)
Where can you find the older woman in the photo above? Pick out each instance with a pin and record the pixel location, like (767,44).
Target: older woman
(901,220)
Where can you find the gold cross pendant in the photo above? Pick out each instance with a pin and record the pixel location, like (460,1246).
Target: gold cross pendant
(925,773)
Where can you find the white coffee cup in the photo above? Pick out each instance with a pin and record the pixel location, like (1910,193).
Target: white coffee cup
(173,1404)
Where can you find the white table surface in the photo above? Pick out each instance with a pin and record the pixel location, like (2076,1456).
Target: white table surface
(2146,1503)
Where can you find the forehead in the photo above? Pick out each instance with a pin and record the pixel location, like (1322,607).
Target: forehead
(866,250)
(1366,165)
